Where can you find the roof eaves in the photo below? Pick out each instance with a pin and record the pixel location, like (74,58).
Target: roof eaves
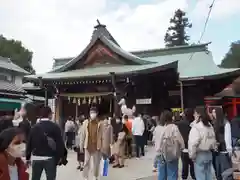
(6,63)
(21,70)
(62,59)
(213,76)
(74,60)
(119,70)
(170,48)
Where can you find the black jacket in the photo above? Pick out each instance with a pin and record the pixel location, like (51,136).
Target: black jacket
(37,142)
(235,127)
(184,128)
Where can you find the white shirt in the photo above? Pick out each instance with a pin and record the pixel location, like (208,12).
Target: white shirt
(69,125)
(138,126)
(17,121)
(13,172)
(228,136)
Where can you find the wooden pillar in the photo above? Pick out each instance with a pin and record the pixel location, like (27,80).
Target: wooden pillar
(57,109)
(116,109)
(76,113)
(234,105)
(46,96)
(181,95)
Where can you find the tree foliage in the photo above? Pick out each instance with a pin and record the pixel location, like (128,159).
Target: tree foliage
(17,53)
(176,34)
(232,58)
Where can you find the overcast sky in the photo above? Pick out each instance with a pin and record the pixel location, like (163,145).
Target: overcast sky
(62,28)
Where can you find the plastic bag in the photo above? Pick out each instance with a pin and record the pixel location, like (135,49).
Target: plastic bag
(104,169)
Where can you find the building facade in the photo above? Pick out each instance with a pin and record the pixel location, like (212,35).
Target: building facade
(11,91)
(152,80)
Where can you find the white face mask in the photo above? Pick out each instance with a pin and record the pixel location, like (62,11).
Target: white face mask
(196,116)
(17,151)
(93,116)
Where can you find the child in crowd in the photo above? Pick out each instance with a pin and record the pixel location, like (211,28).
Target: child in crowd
(119,148)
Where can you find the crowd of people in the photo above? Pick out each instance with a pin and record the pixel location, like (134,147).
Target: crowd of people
(199,137)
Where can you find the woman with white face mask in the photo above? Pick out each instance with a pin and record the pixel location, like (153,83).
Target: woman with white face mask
(12,149)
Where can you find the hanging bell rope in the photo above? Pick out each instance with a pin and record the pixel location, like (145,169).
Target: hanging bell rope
(89,100)
(74,100)
(79,101)
(95,100)
(84,100)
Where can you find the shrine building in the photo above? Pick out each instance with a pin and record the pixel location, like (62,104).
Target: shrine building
(151,79)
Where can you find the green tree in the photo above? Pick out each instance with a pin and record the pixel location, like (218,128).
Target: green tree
(176,34)
(232,58)
(17,53)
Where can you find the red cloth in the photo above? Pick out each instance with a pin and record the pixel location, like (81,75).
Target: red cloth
(4,172)
(129,126)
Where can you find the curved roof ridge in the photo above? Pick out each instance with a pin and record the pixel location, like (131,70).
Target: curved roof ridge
(171,48)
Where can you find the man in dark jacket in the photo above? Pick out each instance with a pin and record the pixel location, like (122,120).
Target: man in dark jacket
(46,146)
(184,128)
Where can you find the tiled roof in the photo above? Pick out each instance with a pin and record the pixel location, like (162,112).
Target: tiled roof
(58,62)
(102,34)
(197,65)
(6,63)
(6,86)
(191,66)
(171,50)
(105,71)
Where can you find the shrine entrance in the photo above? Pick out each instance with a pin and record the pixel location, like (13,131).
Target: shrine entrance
(75,105)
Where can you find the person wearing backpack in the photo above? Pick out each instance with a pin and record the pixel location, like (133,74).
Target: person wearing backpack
(45,147)
(169,144)
(201,143)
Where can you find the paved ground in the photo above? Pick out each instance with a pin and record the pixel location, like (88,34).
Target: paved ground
(135,169)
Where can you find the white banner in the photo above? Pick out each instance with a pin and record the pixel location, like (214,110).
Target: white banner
(144,101)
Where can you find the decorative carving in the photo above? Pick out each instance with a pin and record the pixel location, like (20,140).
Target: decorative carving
(101,55)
